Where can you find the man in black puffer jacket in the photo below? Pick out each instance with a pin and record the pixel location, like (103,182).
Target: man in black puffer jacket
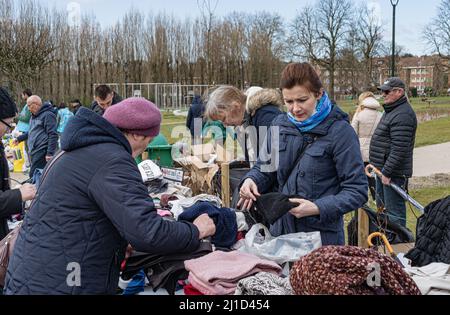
(391,149)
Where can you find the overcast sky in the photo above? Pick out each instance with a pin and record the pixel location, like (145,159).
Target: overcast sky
(412,15)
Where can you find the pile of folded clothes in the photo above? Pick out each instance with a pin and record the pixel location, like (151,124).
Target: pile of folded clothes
(162,271)
(219,273)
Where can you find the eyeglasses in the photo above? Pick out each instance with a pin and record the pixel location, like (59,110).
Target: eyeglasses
(6,124)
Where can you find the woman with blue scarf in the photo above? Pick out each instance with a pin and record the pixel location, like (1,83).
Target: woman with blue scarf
(314,158)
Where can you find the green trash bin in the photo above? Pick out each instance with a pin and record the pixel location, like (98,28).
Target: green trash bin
(159,140)
(161,154)
(138,159)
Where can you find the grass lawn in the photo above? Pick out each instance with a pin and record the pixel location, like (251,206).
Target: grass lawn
(424,197)
(438,104)
(433,132)
(169,123)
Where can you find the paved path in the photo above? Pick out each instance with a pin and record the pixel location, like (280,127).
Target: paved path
(433,159)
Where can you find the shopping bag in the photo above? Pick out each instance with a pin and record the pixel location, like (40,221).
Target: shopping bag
(19,156)
(282,249)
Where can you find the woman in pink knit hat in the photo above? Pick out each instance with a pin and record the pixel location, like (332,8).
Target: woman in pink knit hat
(92,204)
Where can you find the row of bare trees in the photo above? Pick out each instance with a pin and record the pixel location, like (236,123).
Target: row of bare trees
(40,49)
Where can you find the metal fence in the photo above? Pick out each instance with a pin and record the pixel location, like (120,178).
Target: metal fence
(164,95)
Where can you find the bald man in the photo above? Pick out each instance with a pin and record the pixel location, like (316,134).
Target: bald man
(42,138)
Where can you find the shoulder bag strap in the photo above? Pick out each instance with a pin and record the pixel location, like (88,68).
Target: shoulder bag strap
(299,158)
(46,170)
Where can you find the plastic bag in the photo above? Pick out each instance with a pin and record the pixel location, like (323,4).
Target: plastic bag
(282,249)
(18,152)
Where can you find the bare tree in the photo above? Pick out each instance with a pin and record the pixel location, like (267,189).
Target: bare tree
(26,45)
(437,33)
(369,30)
(349,68)
(318,34)
(265,48)
(207,10)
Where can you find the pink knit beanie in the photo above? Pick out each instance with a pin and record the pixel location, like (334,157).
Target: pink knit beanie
(136,116)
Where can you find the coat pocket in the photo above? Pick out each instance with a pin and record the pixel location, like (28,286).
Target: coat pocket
(318,161)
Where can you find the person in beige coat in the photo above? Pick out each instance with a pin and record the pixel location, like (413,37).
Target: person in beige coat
(365,123)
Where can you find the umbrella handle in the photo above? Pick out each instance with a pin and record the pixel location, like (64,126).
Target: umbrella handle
(383,238)
(386,243)
(370,169)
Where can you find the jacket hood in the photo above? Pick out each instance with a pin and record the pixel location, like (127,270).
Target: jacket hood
(263,98)
(322,129)
(371,103)
(87,128)
(46,107)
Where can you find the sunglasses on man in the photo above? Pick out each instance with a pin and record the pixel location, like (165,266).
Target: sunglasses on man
(389,92)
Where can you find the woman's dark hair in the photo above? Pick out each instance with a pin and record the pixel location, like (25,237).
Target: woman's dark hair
(62,105)
(301,74)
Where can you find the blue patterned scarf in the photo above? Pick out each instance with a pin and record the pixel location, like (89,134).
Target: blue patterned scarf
(323,109)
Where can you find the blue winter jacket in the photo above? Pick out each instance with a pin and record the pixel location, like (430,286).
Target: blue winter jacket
(331,174)
(90,206)
(64,115)
(195,112)
(42,134)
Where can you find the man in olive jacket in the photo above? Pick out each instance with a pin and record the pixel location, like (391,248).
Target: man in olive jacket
(392,146)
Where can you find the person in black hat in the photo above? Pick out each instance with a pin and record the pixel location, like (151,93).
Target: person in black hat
(391,149)
(10,200)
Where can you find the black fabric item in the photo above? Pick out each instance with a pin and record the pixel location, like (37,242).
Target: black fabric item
(433,235)
(163,271)
(395,233)
(273,206)
(8,108)
(166,275)
(392,145)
